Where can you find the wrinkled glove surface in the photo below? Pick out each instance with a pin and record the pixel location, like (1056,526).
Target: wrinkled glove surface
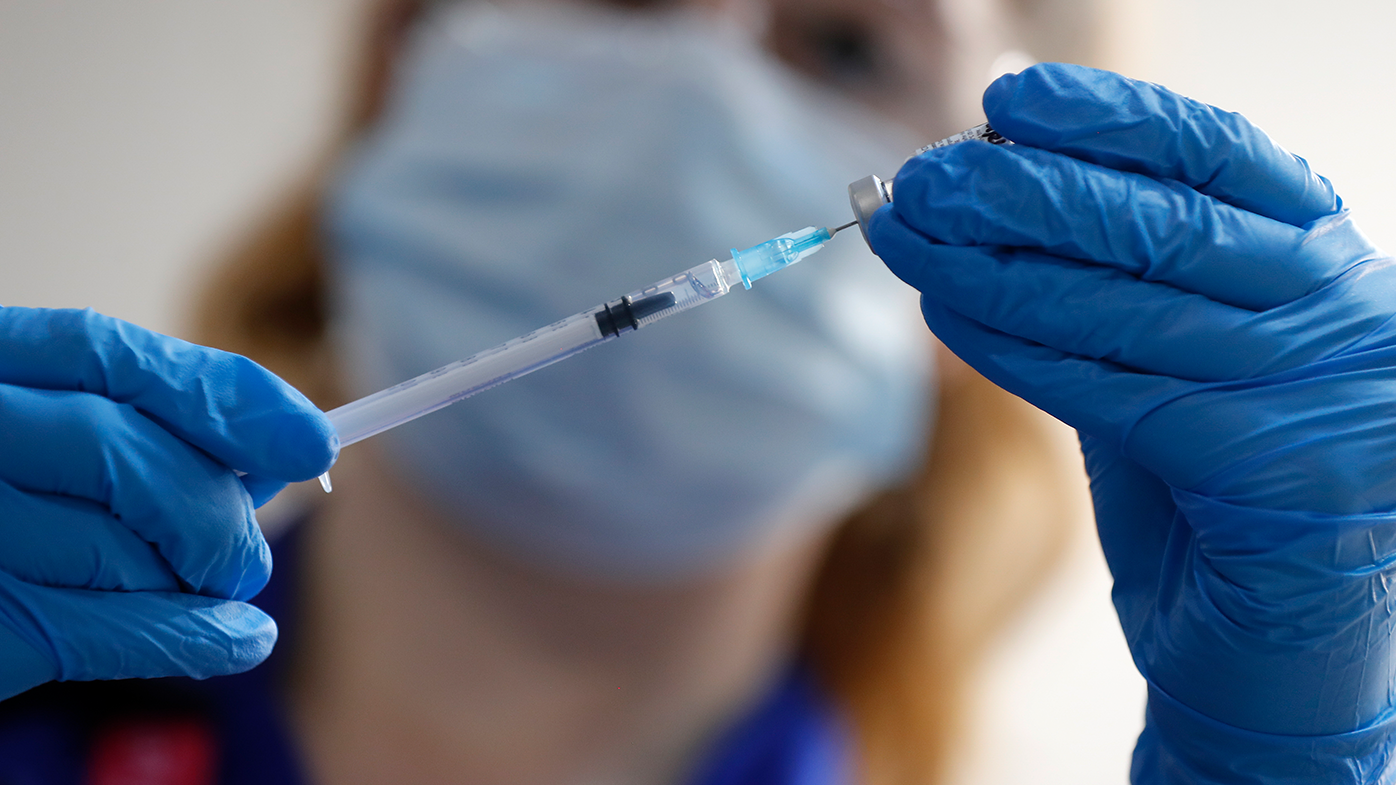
(127,541)
(1200,306)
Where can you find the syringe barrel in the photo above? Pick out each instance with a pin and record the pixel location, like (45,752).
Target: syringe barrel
(450,383)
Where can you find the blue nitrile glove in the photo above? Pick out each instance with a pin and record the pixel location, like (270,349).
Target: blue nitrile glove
(127,542)
(1199,305)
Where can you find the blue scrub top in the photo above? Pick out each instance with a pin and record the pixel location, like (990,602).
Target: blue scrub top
(232,730)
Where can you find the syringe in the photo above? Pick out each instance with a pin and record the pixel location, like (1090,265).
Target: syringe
(459,380)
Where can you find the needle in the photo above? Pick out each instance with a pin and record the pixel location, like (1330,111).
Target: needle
(848,225)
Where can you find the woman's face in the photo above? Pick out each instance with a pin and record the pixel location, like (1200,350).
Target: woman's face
(794,400)
(922,63)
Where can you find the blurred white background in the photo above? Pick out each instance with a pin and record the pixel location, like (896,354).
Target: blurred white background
(137,138)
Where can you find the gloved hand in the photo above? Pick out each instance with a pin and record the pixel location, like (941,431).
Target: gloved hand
(127,542)
(1201,308)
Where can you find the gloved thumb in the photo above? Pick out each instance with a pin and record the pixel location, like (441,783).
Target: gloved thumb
(78,635)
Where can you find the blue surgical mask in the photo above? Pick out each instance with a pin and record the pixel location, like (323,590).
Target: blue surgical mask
(535,163)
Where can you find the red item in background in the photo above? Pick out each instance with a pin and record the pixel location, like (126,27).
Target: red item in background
(153,752)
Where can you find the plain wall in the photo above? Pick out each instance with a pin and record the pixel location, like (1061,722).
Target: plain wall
(137,138)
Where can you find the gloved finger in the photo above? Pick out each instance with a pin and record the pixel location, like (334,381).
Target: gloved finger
(1079,309)
(1342,410)
(78,635)
(1188,434)
(1133,126)
(53,540)
(1096,397)
(981,194)
(227,405)
(191,508)
(1185,431)
(1100,313)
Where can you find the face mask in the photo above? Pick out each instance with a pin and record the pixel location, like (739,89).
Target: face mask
(535,164)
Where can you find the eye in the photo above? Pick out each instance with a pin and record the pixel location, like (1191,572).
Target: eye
(839,51)
(845,52)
